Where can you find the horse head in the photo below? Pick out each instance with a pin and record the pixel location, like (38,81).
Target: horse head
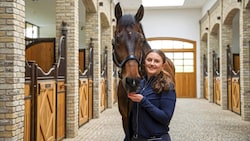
(128,48)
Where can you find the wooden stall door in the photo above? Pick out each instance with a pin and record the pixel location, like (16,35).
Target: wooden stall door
(236,95)
(217,94)
(115,90)
(229,93)
(102,95)
(206,87)
(46,109)
(27,113)
(236,62)
(185,85)
(83,101)
(60,119)
(90,98)
(81,59)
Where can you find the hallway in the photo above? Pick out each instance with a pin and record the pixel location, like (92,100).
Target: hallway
(194,120)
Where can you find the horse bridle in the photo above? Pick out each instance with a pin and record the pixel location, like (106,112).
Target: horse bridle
(129,57)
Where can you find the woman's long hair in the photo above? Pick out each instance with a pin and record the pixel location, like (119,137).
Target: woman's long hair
(163,81)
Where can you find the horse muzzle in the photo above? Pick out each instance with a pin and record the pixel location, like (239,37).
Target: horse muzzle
(131,84)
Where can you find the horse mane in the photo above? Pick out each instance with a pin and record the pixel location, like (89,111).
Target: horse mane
(146,45)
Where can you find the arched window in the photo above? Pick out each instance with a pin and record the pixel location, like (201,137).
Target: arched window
(181,52)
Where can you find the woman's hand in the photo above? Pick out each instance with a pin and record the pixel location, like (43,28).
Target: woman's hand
(135,97)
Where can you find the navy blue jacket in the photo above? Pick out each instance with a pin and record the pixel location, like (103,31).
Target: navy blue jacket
(151,117)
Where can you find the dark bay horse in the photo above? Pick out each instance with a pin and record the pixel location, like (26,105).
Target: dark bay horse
(129,49)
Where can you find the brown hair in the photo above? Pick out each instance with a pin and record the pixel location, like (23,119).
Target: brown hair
(163,81)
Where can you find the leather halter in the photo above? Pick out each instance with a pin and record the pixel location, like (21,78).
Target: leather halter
(129,57)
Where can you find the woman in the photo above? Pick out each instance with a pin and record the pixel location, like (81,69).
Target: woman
(154,102)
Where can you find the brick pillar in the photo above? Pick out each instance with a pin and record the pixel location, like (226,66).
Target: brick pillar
(93,31)
(106,42)
(12,64)
(210,68)
(203,46)
(226,39)
(67,11)
(245,65)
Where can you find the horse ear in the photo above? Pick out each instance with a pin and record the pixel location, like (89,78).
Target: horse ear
(139,14)
(118,11)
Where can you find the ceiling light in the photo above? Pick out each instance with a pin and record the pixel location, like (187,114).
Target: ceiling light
(157,3)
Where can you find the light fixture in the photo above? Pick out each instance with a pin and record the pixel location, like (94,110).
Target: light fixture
(100,3)
(154,3)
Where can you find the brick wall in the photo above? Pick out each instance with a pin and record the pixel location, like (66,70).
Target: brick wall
(67,11)
(12,63)
(106,42)
(245,64)
(93,31)
(226,10)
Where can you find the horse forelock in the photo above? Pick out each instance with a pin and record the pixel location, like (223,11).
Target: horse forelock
(127,21)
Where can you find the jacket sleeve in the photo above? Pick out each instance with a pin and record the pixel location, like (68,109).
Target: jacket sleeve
(165,111)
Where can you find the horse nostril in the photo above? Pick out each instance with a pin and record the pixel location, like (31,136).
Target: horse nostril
(128,80)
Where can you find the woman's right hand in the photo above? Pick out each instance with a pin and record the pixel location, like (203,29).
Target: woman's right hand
(135,97)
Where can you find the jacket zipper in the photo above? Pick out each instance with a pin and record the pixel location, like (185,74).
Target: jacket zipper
(137,110)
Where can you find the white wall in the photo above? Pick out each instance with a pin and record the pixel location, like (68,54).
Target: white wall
(43,14)
(172,23)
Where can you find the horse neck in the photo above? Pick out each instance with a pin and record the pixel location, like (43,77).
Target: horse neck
(146,45)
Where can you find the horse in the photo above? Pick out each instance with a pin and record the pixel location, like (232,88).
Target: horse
(129,49)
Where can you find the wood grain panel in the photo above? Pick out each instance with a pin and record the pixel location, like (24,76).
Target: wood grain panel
(102,95)
(42,53)
(236,62)
(83,101)
(81,60)
(185,85)
(27,113)
(90,99)
(217,95)
(60,110)
(229,93)
(236,95)
(46,106)
(206,87)
(114,90)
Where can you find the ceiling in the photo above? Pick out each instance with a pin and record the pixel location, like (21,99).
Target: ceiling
(134,4)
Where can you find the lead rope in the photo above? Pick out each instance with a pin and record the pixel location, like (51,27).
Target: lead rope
(137,121)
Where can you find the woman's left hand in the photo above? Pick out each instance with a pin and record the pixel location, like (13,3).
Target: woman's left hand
(135,97)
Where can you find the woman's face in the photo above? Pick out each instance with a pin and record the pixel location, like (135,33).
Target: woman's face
(153,64)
